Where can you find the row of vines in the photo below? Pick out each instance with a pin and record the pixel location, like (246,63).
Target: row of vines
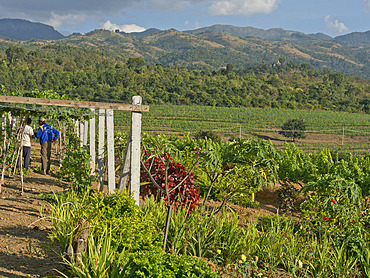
(14,118)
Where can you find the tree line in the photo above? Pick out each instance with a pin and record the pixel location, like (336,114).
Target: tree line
(95,75)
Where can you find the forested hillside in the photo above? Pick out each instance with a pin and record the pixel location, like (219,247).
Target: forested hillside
(212,50)
(93,74)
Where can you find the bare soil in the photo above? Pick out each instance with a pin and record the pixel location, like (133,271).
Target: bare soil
(25,248)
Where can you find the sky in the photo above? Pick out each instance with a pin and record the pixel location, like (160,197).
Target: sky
(331,17)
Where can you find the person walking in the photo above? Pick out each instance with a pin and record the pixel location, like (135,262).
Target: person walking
(26,143)
(47,135)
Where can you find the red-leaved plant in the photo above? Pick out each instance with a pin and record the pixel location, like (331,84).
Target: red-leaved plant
(184,195)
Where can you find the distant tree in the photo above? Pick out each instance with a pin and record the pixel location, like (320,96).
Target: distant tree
(210,134)
(229,68)
(15,53)
(294,128)
(135,63)
(282,61)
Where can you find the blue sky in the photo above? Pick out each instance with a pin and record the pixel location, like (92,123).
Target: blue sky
(331,17)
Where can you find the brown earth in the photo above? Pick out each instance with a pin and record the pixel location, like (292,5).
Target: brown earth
(26,250)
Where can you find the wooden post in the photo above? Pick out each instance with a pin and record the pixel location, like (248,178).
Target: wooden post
(92,143)
(21,168)
(101,147)
(135,151)
(110,151)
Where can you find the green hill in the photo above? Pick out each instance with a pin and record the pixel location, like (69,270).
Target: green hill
(211,48)
(89,67)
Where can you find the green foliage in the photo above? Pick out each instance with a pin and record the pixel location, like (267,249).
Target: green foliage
(253,163)
(200,234)
(67,216)
(122,242)
(205,135)
(75,166)
(294,128)
(330,238)
(49,112)
(335,208)
(96,75)
(98,261)
(161,265)
(288,196)
(129,229)
(15,53)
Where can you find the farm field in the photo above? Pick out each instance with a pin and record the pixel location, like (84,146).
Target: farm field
(341,131)
(254,182)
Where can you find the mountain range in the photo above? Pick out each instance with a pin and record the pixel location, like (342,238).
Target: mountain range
(210,47)
(19,29)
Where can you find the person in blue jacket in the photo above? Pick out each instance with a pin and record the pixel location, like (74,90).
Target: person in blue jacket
(47,135)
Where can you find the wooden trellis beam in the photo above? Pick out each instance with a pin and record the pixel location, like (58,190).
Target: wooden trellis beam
(131,165)
(74,103)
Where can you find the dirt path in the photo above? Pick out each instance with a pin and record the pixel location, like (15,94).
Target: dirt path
(25,250)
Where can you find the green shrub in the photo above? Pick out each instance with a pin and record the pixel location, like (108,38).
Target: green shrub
(165,265)
(130,229)
(75,166)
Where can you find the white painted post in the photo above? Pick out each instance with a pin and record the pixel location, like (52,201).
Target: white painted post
(343,137)
(92,143)
(101,148)
(77,131)
(110,151)
(85,134)
(81,133)
(135,150)
(126,164)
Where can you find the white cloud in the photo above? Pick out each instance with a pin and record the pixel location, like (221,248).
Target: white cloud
(366,4)
(242,7)
(57,20)
(335,26)
(127,28)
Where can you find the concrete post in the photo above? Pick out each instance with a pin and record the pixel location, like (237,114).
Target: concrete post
(110,151)
(101,148)
(135,150)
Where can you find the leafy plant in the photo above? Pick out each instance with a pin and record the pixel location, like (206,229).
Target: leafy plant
(129,229)
(98,261)
(288,196)
(75,166)
(171,177)
(161,265)
(208,135)
(294,128)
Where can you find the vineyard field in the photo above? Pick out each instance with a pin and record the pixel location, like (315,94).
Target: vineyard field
(339,130)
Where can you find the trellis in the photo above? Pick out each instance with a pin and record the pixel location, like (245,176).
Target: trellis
(130,174)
